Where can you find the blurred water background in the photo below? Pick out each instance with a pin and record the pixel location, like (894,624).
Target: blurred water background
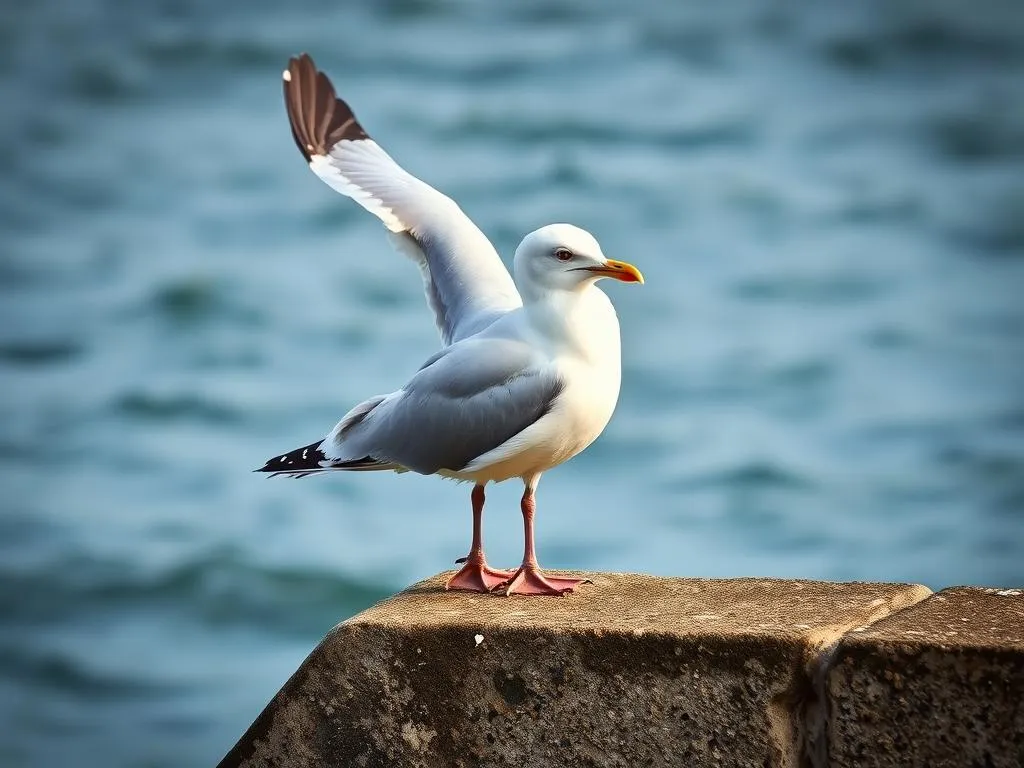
(823,377)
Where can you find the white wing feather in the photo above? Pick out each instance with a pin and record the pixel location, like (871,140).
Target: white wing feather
(465,281)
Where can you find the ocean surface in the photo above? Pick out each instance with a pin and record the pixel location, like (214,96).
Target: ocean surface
(823,376)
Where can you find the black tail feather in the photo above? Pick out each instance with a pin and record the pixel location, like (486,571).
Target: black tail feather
(310,460)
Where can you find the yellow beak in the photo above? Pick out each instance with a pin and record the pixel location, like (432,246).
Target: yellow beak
(618,270)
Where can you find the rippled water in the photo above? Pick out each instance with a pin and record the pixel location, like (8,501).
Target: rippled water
(824,375)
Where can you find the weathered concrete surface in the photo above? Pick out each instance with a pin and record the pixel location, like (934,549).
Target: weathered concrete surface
(629,671)
(940,684)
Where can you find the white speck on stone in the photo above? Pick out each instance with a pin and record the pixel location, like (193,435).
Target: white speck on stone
(287,76)
(418,737)
(478,639)
(1009,593)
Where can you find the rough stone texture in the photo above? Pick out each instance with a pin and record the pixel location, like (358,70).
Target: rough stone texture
(629,671)
(939,684)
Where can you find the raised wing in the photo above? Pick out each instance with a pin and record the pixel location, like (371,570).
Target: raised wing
(466,284)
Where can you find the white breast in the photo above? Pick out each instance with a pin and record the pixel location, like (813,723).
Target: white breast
(582,340)
(591,368)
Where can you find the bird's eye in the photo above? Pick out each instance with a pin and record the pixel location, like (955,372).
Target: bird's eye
(563,254)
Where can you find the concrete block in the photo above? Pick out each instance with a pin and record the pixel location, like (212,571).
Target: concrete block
(630,671)
(940,684)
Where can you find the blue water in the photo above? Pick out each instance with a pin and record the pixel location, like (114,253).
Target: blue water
(823,376)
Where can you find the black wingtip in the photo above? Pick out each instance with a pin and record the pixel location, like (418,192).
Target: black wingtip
(319,119)
(308,458)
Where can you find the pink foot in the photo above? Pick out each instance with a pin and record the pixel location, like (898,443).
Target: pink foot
(529,580)
(477,576)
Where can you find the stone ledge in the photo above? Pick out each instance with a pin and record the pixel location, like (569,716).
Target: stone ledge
(630,671)
(938,684)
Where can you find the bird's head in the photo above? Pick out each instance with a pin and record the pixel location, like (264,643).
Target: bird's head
(567,258)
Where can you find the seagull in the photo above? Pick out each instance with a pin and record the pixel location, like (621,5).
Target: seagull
(529,369)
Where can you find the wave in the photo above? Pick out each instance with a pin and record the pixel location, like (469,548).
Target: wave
(218,588)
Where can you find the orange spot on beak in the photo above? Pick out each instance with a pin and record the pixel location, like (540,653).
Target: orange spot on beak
(618,270)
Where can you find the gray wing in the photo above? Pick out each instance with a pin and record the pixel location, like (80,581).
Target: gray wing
(464,402)
(465,281)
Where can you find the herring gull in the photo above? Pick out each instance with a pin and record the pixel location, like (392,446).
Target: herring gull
(529,369)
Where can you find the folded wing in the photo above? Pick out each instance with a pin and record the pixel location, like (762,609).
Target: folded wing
(465,281)
(468,400)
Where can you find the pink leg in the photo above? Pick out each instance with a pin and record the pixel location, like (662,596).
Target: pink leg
(529,579)
(476,575)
